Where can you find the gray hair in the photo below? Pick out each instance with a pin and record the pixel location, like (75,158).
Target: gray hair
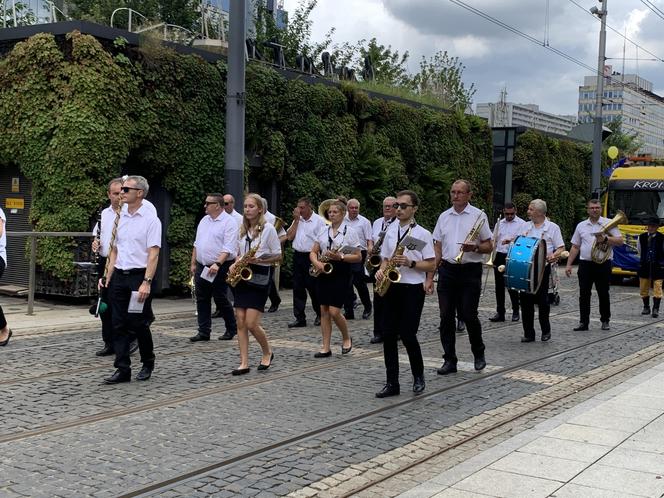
(353,201)
(119,180)
(264,201)
(141,183)
(539,204)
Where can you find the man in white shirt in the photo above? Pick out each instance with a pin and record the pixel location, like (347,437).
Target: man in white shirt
(509,229)
(378,233)
(215,249)
(362,227)
(132,265)
(303,232)
(587,233)
(459,261)
(273,292)
(229,207)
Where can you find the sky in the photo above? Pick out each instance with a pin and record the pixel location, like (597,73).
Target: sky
(496,58)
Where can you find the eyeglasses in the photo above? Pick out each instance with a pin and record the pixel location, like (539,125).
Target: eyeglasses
(213,202)
(402,205)
(127,189)
(227,203)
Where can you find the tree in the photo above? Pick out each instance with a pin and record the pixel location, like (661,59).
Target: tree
(388,66)
(627,143)
(441,78)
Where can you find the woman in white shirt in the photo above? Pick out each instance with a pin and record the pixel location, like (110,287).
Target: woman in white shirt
(251,295)
(5,331)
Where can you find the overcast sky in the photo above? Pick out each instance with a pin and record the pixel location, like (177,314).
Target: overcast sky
(494,57)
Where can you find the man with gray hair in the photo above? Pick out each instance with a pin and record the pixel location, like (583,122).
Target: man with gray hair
(362,227)
(132,266)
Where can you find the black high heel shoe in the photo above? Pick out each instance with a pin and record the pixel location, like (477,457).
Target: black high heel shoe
(348,349)
(6,341)
(265,367)
(241,371)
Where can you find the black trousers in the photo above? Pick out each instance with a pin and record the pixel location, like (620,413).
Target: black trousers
(217,290)
(459,289)
(360,283)
(273,292)
(500,287)
(303,283)
(378,315)
(129,326)
(403,307)
(528,302)
(599,274)
(107,316)
(3,320)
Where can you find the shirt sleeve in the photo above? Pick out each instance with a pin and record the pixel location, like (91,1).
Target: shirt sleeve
(485,231)
(576,238)
(273,246)
(154,232)
(438,230)
(95,229)
(387,248)
(427,251)
(352,238)
(231,234)
(557,238)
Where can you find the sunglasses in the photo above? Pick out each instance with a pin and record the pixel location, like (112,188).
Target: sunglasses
(127,189)
(227,203)
(402,205)
(209,203)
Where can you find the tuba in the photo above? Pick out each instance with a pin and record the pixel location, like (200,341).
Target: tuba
(601,250)
(279,223)
(472,235)
(242,270)
(323,207)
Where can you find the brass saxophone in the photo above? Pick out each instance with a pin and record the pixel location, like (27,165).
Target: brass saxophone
(472,235)
(327,266)
(373,259)
(241,270)
(391,274)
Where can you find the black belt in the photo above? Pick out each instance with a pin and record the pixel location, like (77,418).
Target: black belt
(216,263)
(130,271)
(302,252)
(447,264)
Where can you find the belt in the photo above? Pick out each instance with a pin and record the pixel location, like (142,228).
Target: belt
(302,252)
(130,271)
(209,265)
(447,264)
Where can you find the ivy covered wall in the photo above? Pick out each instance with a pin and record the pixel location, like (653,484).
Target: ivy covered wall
(75,114)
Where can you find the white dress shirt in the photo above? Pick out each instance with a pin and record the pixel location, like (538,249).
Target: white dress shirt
(380,225)
(508,230)
(346,236)
(362,227)
(584,236)
(307,232)
(3,238)
(451,231)
(107,224)
(237,217)
(268,240)
(214,236)
(548,231)
(394,233)
(137,233)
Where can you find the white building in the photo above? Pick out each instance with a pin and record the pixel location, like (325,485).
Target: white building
(630,98)
(503,114)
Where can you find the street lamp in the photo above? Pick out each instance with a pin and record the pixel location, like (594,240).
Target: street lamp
(597,136)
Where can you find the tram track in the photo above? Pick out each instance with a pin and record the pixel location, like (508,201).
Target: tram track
(321,431)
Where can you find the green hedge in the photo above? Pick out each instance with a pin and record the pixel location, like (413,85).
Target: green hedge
(79,114)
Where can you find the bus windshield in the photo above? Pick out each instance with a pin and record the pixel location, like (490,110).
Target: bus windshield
(638,205)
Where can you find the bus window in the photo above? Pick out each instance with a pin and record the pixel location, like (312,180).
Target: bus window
(638,205)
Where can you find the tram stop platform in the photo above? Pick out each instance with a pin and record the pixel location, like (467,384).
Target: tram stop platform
(611,445)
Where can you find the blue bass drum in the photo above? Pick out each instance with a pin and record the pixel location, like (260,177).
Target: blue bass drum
(525,263)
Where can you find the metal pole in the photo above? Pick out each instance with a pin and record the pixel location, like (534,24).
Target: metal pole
(31,277)
(235,102)
(597,136)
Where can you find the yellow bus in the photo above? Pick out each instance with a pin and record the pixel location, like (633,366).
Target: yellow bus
(638,191)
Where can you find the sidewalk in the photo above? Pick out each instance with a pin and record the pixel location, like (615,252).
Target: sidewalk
(611,445)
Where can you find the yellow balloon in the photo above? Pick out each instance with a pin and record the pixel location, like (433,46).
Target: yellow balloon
(612,152)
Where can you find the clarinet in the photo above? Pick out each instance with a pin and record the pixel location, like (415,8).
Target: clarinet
(95,255)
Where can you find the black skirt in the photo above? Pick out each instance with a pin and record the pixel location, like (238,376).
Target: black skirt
(333,288)
(247,294)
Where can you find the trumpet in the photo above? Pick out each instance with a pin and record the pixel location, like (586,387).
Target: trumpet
(472,235)
(327,266)
(495,242)
(599,252)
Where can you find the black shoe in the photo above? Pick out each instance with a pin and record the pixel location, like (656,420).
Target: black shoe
(144,374)
(515,316)
(461,326)
(118,377)
(376,339)
(580,327)
(6,341)
(366,314)
(265,367)
(199,337)
(349,316)
(107,350)
(605,325)
(241,371)
(273,308)
(216,314)
(447,368)
(317,321)
(418,385)
(546,337)
(646,310)
(133,346)
(527,339)
(323,355)
(297,323)
(348,349)
(655,313)
(389,390)
(497,318)
(480,363)
(227,336)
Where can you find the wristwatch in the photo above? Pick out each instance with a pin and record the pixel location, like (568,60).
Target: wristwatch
(148,280)
(342,256)
(412,264)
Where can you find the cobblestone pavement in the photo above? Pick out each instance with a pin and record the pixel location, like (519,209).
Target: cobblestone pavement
(65,434)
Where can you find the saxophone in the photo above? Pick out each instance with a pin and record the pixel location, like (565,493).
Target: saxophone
(373,259)
(391,274)
(327,266)
(242,271)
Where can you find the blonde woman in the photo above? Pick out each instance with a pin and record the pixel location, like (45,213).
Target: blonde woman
(250,295)
(333,288)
